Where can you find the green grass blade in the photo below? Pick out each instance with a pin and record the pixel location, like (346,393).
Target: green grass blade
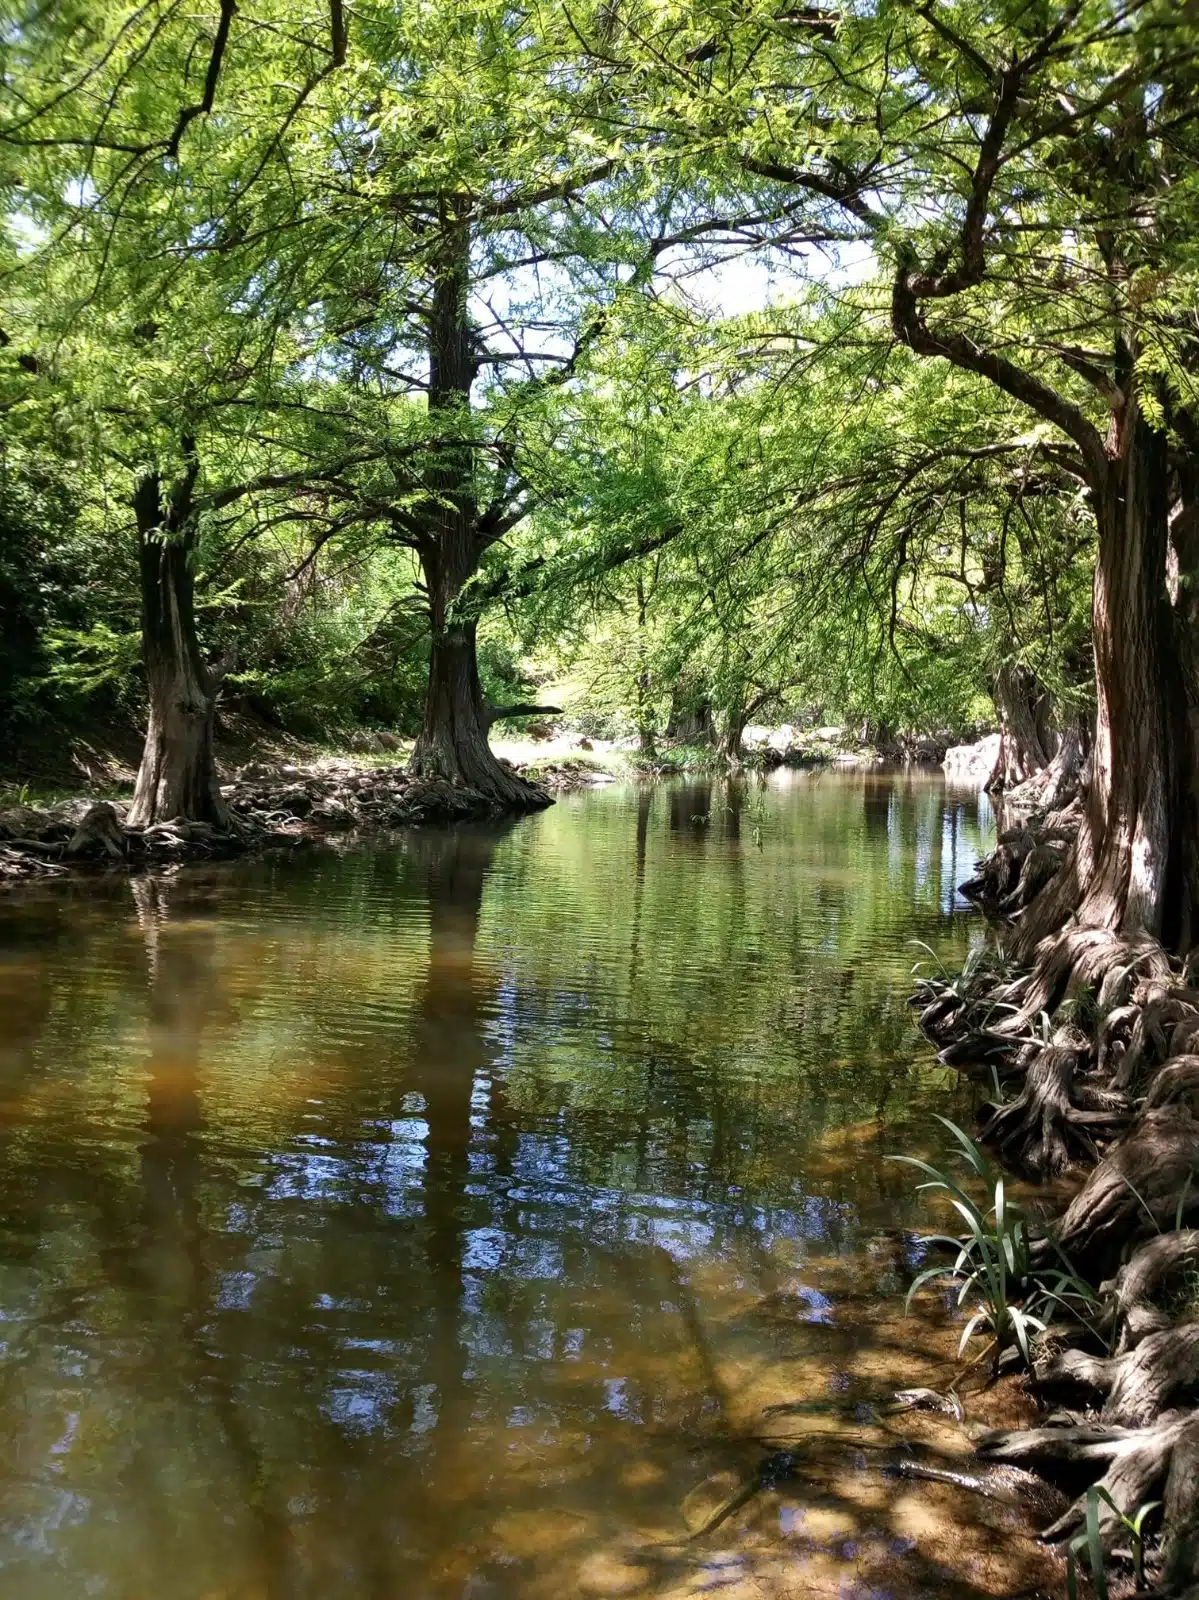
(1182,1201)
(971,1151)
(1095,1546)
(920,1280)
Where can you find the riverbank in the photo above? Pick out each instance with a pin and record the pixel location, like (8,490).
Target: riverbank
(54,761)
(1089,1051)
(64,794)
(271,806)
(70,813)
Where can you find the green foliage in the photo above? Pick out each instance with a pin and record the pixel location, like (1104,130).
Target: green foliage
(48,572)
(829,528)
(1090,1542)
(1005,1294)
(225,236)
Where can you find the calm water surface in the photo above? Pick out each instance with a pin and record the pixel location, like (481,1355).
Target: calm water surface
(439,1217)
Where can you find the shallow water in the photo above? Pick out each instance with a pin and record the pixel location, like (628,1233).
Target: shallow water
(441,1217)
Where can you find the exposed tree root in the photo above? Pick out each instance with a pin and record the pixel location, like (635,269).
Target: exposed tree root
(1114,1088)
(1180,1512)
(265,807)
(1137,1036)
(1177,1083)
(999,874)
(1155,1270)
(1058,1451)
(1076,1369)
(99,832)
(1134,1463)
(1184,1041)
(1139,1385)
(1161,1370)
(1027,857)
(1045,1129)
(1041,863)
(1087,960)
(1056,784)
(1134,1191)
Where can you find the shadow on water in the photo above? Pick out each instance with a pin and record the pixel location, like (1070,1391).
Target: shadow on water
(447,1217)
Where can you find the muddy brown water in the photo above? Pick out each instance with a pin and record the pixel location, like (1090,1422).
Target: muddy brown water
(468,1213)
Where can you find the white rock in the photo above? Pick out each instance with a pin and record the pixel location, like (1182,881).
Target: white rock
(972,763)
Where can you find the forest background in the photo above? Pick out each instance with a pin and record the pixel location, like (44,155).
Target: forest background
(380,366)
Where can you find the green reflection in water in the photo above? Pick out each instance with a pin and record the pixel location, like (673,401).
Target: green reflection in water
(382,1221)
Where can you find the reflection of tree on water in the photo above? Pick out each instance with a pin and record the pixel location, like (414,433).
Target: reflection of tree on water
(645,801)
(345,1334)
(691,807)
(284,1414)
(876,804)
(449,1059)
(172,1262)
(734,805)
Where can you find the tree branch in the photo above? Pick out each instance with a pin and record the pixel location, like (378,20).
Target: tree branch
(1087,367)
(338,34)
(910,326)
(501,713)
(288,480)
(189,113)
(912,285)
(561,190)
(846,194)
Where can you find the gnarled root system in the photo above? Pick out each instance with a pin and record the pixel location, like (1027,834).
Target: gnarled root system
(1095,1046)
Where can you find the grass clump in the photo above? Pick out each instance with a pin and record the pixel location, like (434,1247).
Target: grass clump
(1005,1295)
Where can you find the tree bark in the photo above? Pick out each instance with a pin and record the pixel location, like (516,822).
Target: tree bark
(690,720)
(1132,811)
(452,744)
(735,723)
(494,714)
(178,776)
(1135,865)
(1019,700)
(730,743)
(646,739)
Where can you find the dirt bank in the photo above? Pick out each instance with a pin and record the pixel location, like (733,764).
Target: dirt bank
(272,805)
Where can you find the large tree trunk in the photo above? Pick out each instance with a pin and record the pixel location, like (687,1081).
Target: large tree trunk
(1019,700)
(644,710)
(1132,810)
(453,741)
(178,776)
(731,747)
(1135,865)
(690,720)
(736,721)
(452,744)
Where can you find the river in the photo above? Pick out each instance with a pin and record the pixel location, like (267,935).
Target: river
(444,1215)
